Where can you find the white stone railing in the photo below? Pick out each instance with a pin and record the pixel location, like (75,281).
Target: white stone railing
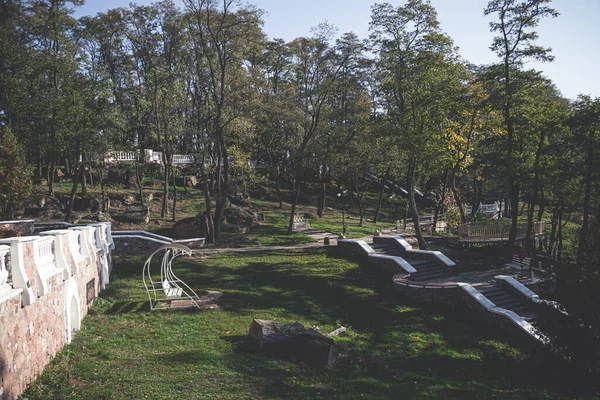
(85,243)
(116,156)
(183,159)
(43,256)
(156,157)
(74,246)
(43,252)
(61,246)
(5,283)
(151,156)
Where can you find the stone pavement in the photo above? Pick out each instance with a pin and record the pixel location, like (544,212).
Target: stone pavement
(318,235)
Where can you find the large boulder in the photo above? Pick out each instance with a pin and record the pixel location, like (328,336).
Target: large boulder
(237,220)
(187,228)
(235,215)
(137,213)
(191,228)
(189,181)
(87,204)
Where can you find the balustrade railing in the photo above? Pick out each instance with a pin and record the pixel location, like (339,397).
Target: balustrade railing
(183,159)
(5,277)
(114,156)
(74,243)
(156,157)
(498,229)
(43,253)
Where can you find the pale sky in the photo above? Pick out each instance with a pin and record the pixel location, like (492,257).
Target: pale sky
(574,36)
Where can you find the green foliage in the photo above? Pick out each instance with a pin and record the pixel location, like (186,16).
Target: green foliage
(15,181)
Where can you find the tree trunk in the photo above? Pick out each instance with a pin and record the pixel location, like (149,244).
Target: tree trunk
(295,195)
(208,219)
(278,188)
(51,173)
(380,200)
(165,200)
(83,184)
(457,200)
(413,205)
(360,205)
(175,196)
(78,177)
(139,178)
(440,205)
(322,195)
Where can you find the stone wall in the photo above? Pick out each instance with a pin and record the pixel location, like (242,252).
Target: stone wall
(51,282)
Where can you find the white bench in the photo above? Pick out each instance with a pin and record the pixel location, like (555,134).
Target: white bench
(519,264)
(299,222)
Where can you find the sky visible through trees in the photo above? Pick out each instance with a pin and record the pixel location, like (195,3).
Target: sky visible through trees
(572,36)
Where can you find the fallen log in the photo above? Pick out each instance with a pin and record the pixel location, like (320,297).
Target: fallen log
(339,330)
(292,341)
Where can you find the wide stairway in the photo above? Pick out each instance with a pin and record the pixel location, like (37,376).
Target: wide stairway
(427,270)
(504,298)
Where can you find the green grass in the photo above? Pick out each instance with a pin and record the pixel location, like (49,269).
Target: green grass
(125,351)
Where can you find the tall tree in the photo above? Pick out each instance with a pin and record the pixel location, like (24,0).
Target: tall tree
(224,34)
(415,60)
(514,45)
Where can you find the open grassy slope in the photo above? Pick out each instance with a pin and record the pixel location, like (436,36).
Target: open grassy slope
(393,349)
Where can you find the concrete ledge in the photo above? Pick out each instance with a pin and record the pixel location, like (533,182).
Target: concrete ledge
(7,294)
(399,261)
(438,256)
(358,247)
(399,241)
(142,233)
(517,287)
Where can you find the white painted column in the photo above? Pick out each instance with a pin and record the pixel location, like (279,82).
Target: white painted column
(61,240)
(17,264)
(85,241)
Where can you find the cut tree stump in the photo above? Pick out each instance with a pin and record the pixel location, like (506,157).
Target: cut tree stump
(292,341)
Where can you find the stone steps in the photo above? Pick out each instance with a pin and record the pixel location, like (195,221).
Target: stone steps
(503,298)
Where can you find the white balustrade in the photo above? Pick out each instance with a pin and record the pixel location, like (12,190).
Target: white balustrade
(5,282)
(85,242)
(63,261)
(183,159)
(116,156)
(102,248)
(43,256)
(156,157)
(44,252)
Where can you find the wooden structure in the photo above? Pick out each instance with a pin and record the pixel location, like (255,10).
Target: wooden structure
(496,232)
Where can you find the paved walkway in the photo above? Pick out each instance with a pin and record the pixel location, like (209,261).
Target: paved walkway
(318,235)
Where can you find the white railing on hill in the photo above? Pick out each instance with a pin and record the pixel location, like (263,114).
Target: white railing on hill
(120,156)
(497,230)
(486,208)
(183,159)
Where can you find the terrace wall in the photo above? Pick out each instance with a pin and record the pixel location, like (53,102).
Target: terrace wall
(47,284)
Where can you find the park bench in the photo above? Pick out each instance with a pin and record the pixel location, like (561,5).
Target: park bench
(300,223)
(519,263)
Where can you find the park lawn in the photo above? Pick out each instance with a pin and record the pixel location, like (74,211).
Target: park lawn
(125,351)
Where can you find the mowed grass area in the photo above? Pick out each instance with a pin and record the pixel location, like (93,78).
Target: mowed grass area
(126,351)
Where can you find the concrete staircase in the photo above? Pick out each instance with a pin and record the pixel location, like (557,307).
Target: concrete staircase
(427,270)
(505,298)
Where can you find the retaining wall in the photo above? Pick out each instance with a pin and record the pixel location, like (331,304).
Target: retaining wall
(47,284)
